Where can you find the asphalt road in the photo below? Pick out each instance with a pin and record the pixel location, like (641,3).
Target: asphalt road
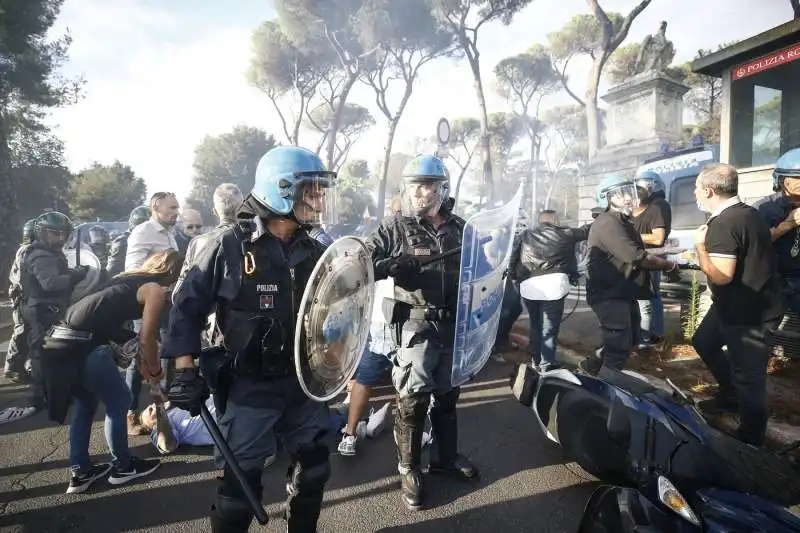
(526,484)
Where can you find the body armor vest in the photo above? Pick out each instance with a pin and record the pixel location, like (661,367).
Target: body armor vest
(258,324)
(33,289)
(437,285)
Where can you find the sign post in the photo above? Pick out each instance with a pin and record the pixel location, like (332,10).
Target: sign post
(442,137)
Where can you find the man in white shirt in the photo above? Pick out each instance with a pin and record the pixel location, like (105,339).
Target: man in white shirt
(156,235)
(151,237)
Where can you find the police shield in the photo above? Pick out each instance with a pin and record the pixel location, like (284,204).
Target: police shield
(94,277)
(333,319)
(485,254)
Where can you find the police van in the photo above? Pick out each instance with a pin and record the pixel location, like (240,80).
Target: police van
(678,170)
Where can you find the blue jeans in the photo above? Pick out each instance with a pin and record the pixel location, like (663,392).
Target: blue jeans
(545,318)
(652,312)
(791,289)
(100,382)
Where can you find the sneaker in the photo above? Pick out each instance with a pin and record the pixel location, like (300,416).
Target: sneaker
(270,460)
(136,468)
(376,422)
(80,481)
(348,445)
(12,414)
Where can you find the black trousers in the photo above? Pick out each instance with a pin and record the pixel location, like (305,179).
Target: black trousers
(619,324)
(742,373)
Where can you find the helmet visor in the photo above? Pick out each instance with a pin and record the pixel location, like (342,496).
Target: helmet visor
(623,198)
(315,199)
(423,196)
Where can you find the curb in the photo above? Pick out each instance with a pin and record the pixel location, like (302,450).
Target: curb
(778,434)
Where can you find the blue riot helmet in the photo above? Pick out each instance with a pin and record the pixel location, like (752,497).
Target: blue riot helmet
(138,216)
(788,166)
(293,182)
(426,185)
(618,193)
(648,184)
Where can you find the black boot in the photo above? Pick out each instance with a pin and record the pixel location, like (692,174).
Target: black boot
(229,515)
(445,431)
(305,486)
(408,428)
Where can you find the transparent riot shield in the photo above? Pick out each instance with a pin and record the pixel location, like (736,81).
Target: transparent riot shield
(94,277)
(485,254)
(334,318)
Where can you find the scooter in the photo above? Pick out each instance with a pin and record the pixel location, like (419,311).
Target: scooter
(668,470)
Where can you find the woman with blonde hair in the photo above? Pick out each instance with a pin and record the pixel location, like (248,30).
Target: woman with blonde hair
(83,358)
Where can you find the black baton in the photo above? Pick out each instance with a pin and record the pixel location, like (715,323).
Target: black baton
(233,465)
(78,248)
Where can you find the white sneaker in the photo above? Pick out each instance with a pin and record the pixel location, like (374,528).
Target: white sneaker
(12,414)
(376,422)
(348,445)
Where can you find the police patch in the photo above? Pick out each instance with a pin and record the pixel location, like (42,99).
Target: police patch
(266,301)
(422,251)
(267,287)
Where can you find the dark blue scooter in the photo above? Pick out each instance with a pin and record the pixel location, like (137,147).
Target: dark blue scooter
(670,471)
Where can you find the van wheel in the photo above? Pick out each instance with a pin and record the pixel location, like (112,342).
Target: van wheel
(584,438)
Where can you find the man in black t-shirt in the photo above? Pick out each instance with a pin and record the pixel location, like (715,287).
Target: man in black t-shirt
(653,221)
(735,253)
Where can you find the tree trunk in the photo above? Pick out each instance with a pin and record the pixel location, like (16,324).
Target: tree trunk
(461,178)
(296,131)
(387,158)
(333,129)
(486,139)
(592,113)
(532,176)
(10,231)
(387,152)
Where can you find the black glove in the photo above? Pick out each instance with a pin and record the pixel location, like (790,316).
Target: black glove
(78,273)
(188,390)
(405,265)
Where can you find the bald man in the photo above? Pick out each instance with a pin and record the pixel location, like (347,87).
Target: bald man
(192,222)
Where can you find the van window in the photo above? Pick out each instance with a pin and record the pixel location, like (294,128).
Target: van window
(685,214)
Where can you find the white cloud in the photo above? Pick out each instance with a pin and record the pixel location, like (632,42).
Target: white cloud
(157,84)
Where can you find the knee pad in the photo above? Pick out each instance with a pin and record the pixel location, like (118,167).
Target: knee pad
(310,469)
(230,488)
(446,402)
(413,408)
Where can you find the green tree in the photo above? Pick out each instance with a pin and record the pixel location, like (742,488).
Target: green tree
(567,134)
(465,135)
(29,61)
(227,158)
(354,120)
(397,163)
(106,192)
(524,80)
(506,130)
(41,187)
(463,19)
(409,37)
(330,26)
(597,35)
(282,71)
(354,192)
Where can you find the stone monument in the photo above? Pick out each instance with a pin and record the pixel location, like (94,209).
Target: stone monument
(644,114)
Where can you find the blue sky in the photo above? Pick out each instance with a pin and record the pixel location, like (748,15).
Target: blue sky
(162,75)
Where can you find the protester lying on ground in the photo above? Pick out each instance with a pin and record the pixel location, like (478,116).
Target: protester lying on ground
(191,431)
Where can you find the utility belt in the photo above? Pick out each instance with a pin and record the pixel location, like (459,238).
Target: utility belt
(68,334)
(396,312)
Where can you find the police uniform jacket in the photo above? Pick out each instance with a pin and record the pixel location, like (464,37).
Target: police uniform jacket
(48,280)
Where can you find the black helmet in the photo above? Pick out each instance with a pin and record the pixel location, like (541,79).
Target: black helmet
(98,235)
(138,215)
(29,231)
(53,228)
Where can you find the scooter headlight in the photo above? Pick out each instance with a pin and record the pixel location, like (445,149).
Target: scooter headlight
(673,499)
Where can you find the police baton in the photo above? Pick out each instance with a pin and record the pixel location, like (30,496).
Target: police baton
(444,255)
(233,465)
(78,248)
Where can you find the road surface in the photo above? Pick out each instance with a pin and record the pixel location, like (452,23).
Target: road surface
(526,483)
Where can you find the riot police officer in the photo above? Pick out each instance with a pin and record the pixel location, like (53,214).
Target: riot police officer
(618,273)
(119,246)
(18,345)
(254,274)
(424,316)
(48,283)
(98,243)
